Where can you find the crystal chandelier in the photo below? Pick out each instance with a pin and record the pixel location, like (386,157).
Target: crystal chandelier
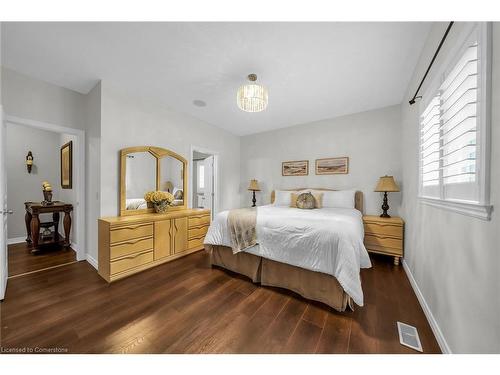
(252,97)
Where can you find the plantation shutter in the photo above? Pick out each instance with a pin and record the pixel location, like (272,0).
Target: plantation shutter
(448,130)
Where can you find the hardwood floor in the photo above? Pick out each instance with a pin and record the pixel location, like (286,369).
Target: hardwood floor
(21,260)
(187,307)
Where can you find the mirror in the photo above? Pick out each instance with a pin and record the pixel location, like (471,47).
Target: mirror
(172,178)
(147,168)
(140,178)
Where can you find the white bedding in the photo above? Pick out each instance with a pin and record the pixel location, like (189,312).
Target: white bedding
(136,204)
(327,240)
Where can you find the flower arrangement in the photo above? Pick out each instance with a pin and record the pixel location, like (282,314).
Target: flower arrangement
(46,186)
(47,192)
(161,200)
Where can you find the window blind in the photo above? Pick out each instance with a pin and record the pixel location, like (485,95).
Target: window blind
(448,128)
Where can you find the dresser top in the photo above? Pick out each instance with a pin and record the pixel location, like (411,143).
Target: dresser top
(378,219)
(154,216)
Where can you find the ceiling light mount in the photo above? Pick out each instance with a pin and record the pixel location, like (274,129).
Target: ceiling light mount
(252,97)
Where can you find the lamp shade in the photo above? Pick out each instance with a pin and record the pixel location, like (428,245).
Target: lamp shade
(169,186)
(254,185)
(387,183)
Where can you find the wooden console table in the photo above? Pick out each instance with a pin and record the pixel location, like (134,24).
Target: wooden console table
(32,220)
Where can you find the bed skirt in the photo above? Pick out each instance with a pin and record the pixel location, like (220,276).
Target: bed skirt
(316,286)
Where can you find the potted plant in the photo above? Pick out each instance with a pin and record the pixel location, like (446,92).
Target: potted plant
(160,200)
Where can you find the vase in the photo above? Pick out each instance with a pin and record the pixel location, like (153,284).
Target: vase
(47,198)
(161,207)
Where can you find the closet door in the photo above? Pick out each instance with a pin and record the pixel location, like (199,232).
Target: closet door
(180,230)
(162,239)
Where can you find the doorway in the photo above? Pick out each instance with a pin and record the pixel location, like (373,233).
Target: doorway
(23,183)
(204,179)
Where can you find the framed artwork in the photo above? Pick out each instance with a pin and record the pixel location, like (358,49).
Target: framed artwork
(67,165)
(295,168)
(332,166)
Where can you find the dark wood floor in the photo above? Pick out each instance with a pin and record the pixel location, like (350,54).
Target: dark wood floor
(21,260)
(187,307)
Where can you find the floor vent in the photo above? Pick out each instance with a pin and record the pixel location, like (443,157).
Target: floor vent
(408,336)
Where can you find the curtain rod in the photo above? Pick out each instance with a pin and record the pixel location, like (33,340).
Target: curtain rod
(412,101)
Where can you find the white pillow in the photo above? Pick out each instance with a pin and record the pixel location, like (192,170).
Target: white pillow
(338,199)
(283,198)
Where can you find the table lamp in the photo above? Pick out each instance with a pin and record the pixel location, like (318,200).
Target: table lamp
(386,184)
(253,187)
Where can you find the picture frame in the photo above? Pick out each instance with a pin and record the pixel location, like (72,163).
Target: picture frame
(67,165)
(338,165)
(295,168)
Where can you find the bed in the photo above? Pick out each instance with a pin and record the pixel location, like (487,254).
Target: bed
(316,253)
(141,204)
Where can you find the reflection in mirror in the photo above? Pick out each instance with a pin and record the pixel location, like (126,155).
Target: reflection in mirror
(171,178)
(140,178)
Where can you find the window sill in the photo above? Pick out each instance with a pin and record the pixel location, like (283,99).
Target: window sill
(479,211)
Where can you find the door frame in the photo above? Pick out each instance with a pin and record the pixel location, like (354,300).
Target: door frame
(78,161)
(215,177)
(4,264)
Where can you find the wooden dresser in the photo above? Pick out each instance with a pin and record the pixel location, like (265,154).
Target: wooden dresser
(384,236)
(130,244)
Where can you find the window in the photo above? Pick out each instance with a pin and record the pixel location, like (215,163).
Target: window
(454,132)
(201,176)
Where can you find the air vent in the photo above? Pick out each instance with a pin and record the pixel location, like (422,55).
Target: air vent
(408,336)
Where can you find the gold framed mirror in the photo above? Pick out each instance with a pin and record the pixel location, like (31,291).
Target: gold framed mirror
(147,168)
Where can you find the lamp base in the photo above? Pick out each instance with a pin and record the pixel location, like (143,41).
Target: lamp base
(385,206)
(254,200)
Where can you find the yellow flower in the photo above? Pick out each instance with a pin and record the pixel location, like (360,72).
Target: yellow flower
(158,196)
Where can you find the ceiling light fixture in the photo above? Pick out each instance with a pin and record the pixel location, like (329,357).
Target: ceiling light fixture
(252,97)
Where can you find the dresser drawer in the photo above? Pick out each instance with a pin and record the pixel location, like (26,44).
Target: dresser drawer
(196,221)
(131,231)
(196,242)
(382,241)
(131,261)
(384,229)
(197,232)
(132,246)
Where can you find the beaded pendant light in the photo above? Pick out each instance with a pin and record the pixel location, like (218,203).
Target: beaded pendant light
(252,97)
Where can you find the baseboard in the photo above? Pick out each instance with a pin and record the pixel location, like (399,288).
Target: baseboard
(11,241)
(427,311)
(92,261)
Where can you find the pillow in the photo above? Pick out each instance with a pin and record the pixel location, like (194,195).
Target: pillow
(339,199)
(318,199)
(282,198)
(305,201)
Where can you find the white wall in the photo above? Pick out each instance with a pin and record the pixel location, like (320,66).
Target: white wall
(23,186)
(93,169)
(33,99)
(127,122)
(454,258)
(370,140)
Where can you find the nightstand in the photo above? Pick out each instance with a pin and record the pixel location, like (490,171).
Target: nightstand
(384,236)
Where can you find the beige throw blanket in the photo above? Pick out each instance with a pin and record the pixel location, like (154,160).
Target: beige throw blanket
(242,223)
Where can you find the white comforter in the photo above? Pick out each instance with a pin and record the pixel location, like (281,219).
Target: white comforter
(328,240)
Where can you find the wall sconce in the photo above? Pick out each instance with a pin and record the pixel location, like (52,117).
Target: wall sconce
(29,161)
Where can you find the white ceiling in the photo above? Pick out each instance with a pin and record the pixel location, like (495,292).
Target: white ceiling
(313,71)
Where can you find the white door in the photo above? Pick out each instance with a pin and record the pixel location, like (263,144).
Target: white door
(3,211)
(209,182)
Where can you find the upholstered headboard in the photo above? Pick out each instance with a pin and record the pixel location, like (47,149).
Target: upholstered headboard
(358,196)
